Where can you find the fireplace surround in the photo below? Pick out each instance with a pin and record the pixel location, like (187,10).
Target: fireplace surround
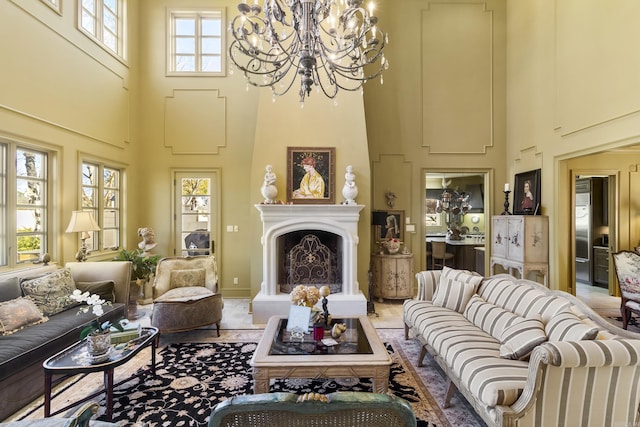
(279,221)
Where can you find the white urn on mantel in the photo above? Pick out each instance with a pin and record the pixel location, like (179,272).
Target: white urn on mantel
(350,189)
(269,190)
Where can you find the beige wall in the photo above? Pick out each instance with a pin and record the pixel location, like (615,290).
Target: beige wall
(572,91)
(59,90)
(442,104)
(493,86)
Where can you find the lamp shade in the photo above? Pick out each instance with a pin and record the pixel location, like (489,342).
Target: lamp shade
(81,221)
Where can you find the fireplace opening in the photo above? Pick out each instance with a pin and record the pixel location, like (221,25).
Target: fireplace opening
(309,257)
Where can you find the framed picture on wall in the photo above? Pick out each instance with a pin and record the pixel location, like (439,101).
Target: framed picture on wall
(311,175)
(526,195)
(388,225)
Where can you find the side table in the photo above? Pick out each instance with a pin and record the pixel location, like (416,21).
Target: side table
(75,360)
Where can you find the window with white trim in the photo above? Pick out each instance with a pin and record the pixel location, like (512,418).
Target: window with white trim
(101,195)
(53,4)
(104,21)
(196,42)
(24,203)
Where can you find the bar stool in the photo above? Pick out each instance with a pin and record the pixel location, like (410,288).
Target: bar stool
(439,252)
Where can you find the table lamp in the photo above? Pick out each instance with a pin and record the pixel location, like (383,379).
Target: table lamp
(82,222)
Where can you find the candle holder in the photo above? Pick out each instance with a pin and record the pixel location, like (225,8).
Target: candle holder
(506,203)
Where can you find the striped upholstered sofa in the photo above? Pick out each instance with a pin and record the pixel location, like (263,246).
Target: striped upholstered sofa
(524,355)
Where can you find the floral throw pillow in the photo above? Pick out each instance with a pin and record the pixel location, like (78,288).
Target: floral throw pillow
(51,291)
(183,278)
(17,314)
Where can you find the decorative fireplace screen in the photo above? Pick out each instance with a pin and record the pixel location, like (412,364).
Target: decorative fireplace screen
(312,262)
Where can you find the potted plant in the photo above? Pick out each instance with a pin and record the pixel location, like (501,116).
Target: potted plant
(142,267)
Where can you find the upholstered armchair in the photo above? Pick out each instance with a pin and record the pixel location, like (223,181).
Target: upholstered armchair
(627,265)
(185,294)
(346,409)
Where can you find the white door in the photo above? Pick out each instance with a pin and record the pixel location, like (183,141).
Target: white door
(196,212)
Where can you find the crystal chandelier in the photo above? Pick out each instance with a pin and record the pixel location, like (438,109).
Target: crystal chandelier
(455,205)
(330,44)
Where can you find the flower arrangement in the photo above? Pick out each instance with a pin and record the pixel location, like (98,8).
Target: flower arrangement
(93,303)
(392,245)
(305,295)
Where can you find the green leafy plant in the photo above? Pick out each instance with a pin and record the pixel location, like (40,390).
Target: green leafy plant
(142,266)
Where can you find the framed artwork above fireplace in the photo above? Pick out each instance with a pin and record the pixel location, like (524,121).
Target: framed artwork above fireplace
(311,175)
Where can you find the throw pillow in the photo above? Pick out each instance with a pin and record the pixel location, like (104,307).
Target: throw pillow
(10,289)
(489,317)
(104,289)
(17,314)
(465,276)
(453,294)
(191,277)
(519,340)
(566,326)
(51,291)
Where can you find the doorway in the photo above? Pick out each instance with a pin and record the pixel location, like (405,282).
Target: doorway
(594,230)
(475,223)
(196,213)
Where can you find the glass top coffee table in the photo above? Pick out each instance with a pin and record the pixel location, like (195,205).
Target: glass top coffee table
(75,360)
(359,353)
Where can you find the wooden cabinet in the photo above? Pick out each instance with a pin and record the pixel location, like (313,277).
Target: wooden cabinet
(520,242)
(601,266)
(392,276)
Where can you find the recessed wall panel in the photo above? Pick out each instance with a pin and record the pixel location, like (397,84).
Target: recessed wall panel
(457,78)
(195,122)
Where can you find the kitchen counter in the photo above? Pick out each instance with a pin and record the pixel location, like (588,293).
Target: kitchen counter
(463,250)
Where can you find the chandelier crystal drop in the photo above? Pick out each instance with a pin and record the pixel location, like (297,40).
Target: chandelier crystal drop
(330,44)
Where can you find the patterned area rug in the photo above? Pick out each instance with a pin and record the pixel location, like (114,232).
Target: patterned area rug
(192,378)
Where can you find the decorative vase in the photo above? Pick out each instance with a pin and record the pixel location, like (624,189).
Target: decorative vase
(269,192)
(392,246)
(98,343)
(350,192)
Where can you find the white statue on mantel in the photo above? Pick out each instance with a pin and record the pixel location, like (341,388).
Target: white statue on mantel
(350,189)
(269,190)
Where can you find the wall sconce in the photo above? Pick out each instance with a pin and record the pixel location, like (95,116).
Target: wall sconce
(82,222)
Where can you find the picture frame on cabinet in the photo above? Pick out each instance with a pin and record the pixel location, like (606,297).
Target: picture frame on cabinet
(527,192)
(388,224)
(311,175)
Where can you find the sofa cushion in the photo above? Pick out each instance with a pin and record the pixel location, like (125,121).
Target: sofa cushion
(187,293)
(566,326)
(17,314)
(519,339)
(10,289)
(105,289)
(37,342)
(489,317)
(453,294)
(51,291)
(190,277)
(474,357)
(426,318)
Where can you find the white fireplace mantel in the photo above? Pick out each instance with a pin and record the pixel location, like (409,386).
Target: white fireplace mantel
(278,220)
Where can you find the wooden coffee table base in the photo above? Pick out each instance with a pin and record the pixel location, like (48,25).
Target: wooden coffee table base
(374,363)
(378,374)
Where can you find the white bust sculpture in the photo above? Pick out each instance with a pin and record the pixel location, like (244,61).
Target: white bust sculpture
(350,189)
(269,190)
(148,240)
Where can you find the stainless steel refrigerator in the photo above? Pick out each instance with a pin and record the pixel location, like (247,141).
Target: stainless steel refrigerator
(584,241)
